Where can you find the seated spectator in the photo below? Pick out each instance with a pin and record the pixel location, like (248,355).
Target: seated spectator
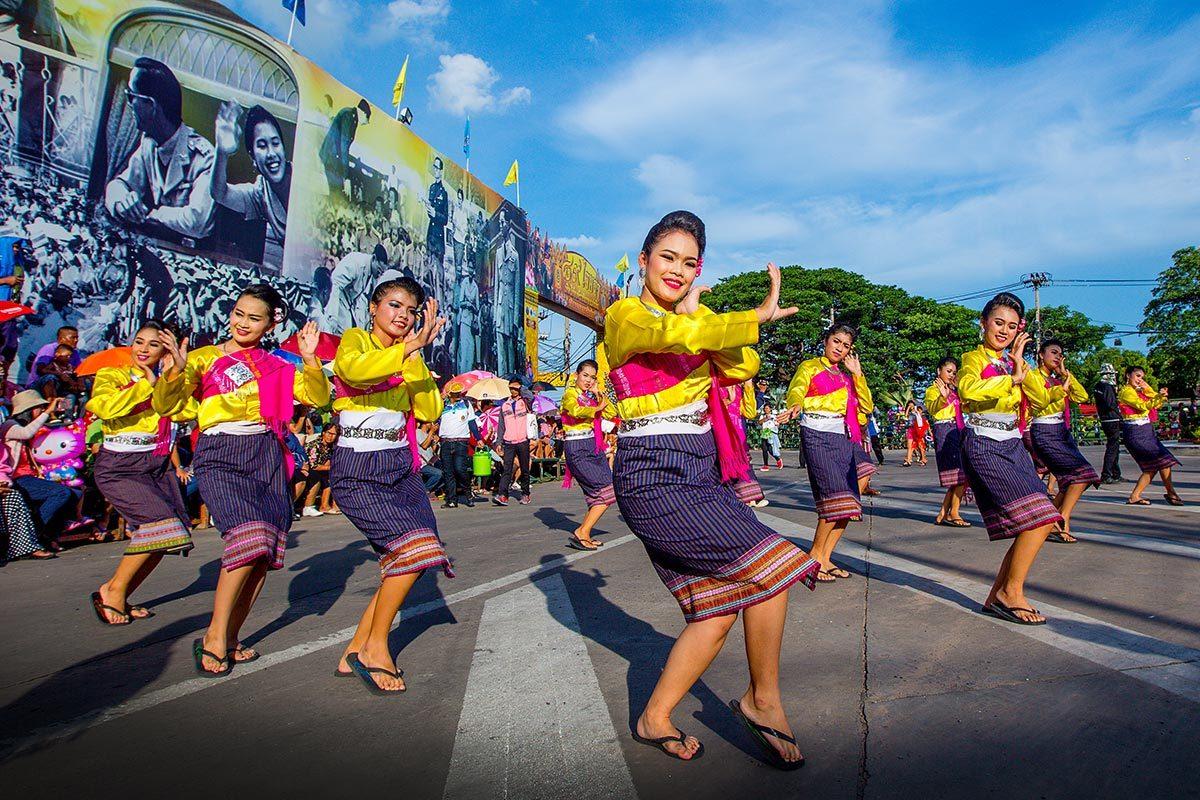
(57,377)
(18,534)
(67,335)
(431,473)
(315,474)
(52,503)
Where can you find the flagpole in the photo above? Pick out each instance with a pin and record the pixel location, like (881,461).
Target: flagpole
(292,26)
(518,188)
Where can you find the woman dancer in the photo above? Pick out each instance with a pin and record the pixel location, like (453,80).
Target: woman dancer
(133,470)
(246,401)
(583,412)
(827,399)
(1138,402)
(914,435)
(743,405)
(943,404)
(994,386)
(383,390)
(669,355)
(1050,433)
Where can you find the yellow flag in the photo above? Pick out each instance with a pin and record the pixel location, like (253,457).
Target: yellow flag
(398,89)
(623,264)
(514,174)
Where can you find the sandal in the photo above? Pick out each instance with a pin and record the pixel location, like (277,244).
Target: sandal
(1174,499)
(366,673)
(1060,537)
(123,618)
(146,613)
(1141,501)
(959,522)
(838,572)
(661,744)
(240,649)
(1009,614)
(579,544)
(828,577)
(198,654)
(760,733)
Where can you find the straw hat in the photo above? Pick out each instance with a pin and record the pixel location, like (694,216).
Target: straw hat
(454,387)
(30,398)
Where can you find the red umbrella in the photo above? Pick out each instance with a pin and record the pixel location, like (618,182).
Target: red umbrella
(467,379)
(10,311)
(114,357)
(326,347)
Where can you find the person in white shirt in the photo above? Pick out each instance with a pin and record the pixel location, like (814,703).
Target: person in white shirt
(458,424)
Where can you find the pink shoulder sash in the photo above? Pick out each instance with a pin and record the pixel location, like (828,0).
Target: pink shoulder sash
(826,382)
(276,389)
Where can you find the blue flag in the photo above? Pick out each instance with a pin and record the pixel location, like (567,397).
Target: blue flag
(467,139)
(299,9)
(620,280)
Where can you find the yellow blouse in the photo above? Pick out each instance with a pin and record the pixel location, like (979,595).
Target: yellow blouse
(1129,398)
(937,407)
(832,403)
(632,327)
(570,407)
(1057,395)
(171,396)
(113,401)
(749,406)
(362,361)
(995,395)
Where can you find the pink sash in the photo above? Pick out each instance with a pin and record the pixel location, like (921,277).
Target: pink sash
(276,390)
(162,437)
(1053,381)
(590,400)
(1005,366)
(826,382)
(1130,411)
(650,373)
(956,401)
(342,389)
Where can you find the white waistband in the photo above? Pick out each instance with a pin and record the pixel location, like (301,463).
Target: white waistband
(585,434)
(235,429)
(1048,419)
(689,419)
(130,443)
(1137,421)
(823,421)
(994,433)
(370,422)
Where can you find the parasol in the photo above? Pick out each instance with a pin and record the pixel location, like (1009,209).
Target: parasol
(468,379)
(543,404)
(115,357)
(10,311)
(326,347)
(489,389)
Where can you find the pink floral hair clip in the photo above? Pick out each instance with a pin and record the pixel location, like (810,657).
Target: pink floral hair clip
(699,265)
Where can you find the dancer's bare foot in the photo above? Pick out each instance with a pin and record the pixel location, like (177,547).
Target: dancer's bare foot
(113,600)
(685,750)
(208,662)
(240,654)
(771,714)
(388,683)
(586,539)
(1018,604)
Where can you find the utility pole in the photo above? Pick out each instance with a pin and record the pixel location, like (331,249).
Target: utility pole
(1037,280)
(566,345)
(832,314)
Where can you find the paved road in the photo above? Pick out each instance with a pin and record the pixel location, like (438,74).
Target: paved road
(526,671)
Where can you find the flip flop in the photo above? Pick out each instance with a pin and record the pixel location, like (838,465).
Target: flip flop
(241,649)
(1139,502)
(1009,614)
(365,672)
(198,654)
(337,673)
(99,607)
(1174,499)
(578,544)
(1058,538)
(760,734)
(130,609)
(832,578)
(838,572)
(959,522)
(661,745)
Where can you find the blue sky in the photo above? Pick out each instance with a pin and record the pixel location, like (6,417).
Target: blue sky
(941,146)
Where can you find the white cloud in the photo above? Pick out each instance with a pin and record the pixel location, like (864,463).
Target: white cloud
(592,39)
(331,23)
(824,142)
(465,84)
(577,243)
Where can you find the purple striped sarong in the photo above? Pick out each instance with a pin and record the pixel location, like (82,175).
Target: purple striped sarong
(832,473)
(1007,489)
(947,453)
(864,467)
(708,548)
(1143,444)
(747,491)
(1056,448)
(142,487)
(1027,440)
(591,471)
(380,493)
(243,481)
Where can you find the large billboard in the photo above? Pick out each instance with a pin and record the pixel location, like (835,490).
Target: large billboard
(159,156)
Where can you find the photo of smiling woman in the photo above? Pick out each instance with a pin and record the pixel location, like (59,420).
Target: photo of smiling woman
(247,398)
(261,136)
(994,383)
(677,456)
(133,471)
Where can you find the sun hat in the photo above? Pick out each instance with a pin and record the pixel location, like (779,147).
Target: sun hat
(30,398)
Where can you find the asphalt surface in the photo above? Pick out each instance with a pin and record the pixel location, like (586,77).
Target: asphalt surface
(526,671)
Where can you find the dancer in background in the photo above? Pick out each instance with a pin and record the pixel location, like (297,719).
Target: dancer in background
(943,404)
(914,434)
(384,389)
(583,412)
(863,465)
(742,405)
(1139,407)
(771,447)
(241,465)
(133,470)
(993,386)
(827,399)
(1050,433)
(670,355)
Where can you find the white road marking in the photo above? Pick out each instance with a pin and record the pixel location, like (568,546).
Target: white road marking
(16,745)
(1156,504)
(534,723)
(1169,666)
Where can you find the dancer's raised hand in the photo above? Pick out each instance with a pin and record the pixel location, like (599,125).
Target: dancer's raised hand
(852,364)
(431,325)
(307,339)
(177,350)
(691,301)
(769,310)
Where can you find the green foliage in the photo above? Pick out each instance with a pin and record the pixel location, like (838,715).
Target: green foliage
(1077,332)
(1173,314)
(1087,369)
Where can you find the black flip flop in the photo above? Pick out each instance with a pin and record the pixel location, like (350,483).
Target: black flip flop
(838,572)
(959,522)
(99,607)
(257,655)
(198,654)
(1009,614)
(1139,502)
(661,745)
(577,543)
(1174,499)
(1058,538)
(832,578)
(365,672)
(337,673)
(760,734)
(130,609)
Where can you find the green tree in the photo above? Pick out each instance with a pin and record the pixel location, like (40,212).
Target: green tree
(1087,369)
(1081,336)
(1172,319)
